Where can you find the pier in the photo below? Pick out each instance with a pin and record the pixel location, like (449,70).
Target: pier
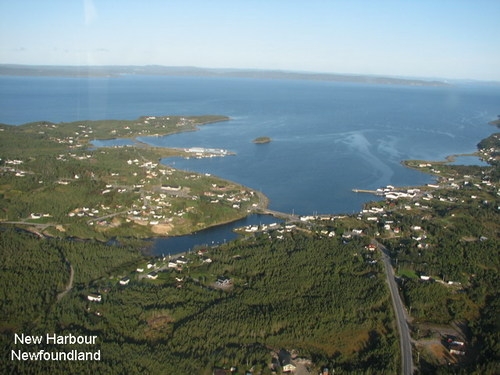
(366,191)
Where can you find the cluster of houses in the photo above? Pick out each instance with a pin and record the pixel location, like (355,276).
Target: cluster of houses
(184,122)
(260,228)
(274,230)
(153,122)
(152,269)
(491,154)
(151,208)
(84,132)
(11,166)
(84,211)
(13,162)
(392,193)
(176,263)
(416,198)
(146,120)
(220,194)
(415,194)
(352,233)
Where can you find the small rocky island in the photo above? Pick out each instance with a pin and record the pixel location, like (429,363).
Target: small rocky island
(261,140)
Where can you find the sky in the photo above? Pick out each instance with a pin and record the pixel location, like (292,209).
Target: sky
(450,39)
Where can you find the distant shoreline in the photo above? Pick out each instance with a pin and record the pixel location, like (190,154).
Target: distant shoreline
(115,71)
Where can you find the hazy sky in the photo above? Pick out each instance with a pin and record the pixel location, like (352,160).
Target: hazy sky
(420,38)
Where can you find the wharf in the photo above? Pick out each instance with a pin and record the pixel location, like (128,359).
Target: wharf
(366,191)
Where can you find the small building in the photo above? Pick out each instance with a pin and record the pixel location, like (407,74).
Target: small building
(202,252)
(94,297)
(286,361)
(457,348)
(125,280)
(223,281)
(171,188)
(153,275)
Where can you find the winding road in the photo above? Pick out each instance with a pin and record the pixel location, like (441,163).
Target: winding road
(400,313)
(70,282)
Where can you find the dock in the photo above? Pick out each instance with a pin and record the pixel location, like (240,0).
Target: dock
(366,191)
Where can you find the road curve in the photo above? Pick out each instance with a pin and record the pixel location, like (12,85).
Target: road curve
(70,282)
(399,311)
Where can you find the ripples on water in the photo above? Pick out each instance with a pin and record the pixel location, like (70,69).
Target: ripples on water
(327,137)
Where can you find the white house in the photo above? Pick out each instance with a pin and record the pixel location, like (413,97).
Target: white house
(94,297)
(222,280)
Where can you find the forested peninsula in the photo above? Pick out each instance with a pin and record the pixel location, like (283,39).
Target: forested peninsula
(62,186)
(307,295)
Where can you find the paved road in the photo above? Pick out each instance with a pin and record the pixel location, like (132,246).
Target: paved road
(401,317)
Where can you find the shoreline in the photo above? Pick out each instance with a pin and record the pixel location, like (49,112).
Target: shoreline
(76,135)
(448,159)
(263,200)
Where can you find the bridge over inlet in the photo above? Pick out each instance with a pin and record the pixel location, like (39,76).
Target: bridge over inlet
(280,215)
(291,217)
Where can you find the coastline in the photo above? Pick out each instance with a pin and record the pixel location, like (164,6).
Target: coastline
(407,163)
(263,201)
(129,271)
(66,143)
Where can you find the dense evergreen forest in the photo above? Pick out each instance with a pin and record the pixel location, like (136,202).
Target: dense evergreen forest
(319,297)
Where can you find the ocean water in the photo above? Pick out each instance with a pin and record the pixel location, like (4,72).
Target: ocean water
(327,137)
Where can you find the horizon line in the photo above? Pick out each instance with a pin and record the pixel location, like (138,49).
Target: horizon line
(319,75)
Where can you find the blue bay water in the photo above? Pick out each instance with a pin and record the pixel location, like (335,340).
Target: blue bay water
(327,137)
